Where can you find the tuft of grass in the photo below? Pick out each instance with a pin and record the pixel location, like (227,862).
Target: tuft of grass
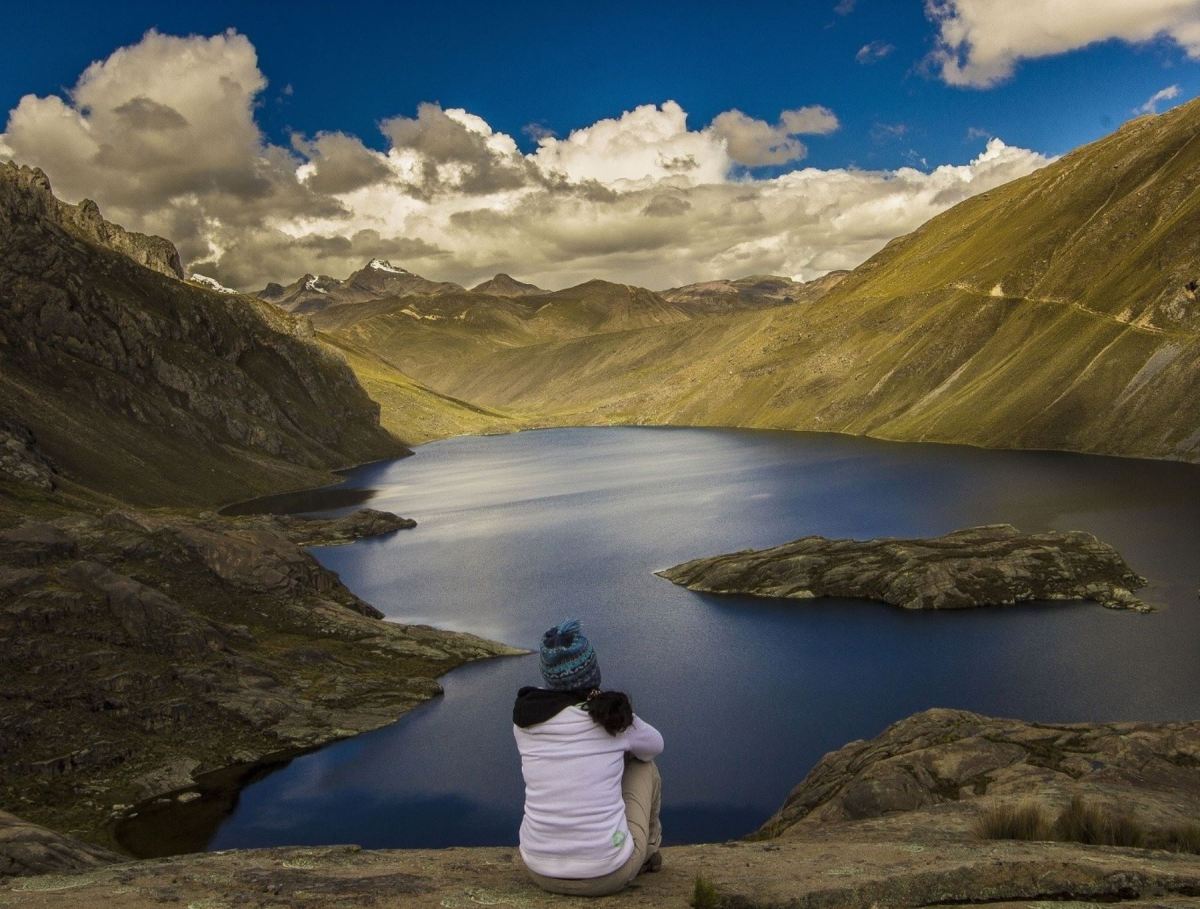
(1178,839)
(1096,825)
(705,895)
(1026,820)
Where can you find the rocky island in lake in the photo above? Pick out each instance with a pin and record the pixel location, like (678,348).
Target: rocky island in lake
(992,565)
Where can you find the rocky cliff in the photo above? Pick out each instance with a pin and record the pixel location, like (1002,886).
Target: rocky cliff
(141,649)
(25,195)
(117,377)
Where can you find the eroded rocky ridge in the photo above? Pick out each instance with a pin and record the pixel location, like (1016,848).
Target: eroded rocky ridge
(141,650)
(25,194)
(992,565)
(117,377)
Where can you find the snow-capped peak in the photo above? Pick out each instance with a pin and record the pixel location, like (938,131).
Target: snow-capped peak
(211,284)
(385,265)
(311,284)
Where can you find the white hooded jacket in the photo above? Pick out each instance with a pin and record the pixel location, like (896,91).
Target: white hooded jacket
(574,825)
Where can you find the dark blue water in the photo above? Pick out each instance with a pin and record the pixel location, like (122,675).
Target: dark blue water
(517,532)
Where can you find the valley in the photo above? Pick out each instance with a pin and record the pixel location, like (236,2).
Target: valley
(1058,311)
(152,641)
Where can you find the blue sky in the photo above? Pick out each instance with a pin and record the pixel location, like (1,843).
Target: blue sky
(693,140)
(565,65)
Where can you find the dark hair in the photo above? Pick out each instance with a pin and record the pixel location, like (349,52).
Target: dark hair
(610,709)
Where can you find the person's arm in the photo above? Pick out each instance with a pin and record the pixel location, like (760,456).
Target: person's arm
(642,740)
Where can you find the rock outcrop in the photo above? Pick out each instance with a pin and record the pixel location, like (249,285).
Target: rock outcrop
(961,760)
(991,565)
(117,377)
(27,848)
(358,525)
(25,194)
(844,871)
(20,458)
(141,650)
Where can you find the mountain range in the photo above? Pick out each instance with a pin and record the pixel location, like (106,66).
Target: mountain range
(1058,311)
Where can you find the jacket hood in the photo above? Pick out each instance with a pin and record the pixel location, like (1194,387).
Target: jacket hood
(536,705)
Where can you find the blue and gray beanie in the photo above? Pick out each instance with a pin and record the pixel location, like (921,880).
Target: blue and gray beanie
(568,658)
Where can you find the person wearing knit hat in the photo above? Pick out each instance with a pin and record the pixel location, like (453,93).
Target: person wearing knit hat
(568,658)
(592,791)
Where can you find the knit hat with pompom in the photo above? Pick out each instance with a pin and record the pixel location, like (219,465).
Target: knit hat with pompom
(568,658)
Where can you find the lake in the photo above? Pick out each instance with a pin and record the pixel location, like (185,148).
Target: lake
(517,532)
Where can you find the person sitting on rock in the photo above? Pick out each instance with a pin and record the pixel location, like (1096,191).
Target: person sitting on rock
(592,791)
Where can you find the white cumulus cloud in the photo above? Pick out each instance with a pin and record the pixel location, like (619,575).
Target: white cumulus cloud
(980,41)
(163,135)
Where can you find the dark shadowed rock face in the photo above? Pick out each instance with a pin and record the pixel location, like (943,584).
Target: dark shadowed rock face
(992,565)
(140,650)
(117,376)
(955,758)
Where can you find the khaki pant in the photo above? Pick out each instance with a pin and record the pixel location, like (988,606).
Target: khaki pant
(641,787)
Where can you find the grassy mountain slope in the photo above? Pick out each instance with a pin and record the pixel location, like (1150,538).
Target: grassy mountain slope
(1058,311)
(412,410)
(540,359)
(424,334)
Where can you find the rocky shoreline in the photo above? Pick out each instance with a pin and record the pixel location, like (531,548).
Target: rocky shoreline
(991,565)
(143,650)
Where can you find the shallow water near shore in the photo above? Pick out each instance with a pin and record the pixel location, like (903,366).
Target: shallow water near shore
(517,532)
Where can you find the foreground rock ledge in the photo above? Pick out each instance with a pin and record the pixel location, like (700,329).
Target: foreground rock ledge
(880,823)
(992,565)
